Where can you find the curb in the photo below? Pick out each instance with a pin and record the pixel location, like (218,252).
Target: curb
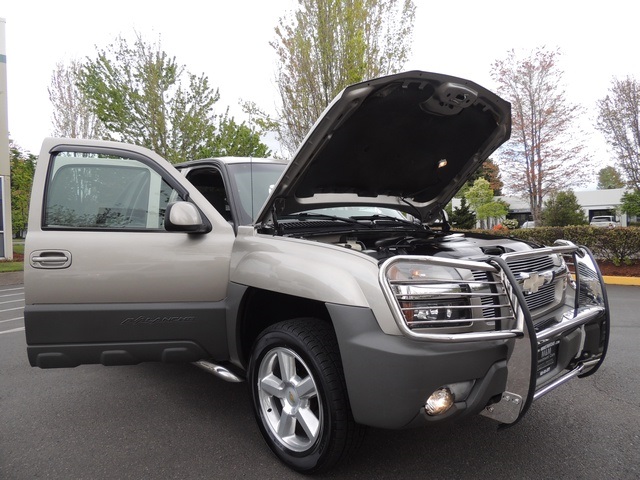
(611,280)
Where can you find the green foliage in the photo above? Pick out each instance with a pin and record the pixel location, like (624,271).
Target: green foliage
(235,139)
(621,244)
(143,96)
(22,170)
(609,177)
(563,209)
(326,45)
(631,203)
(490,172)
(480,197)
(462,217)
(510,223)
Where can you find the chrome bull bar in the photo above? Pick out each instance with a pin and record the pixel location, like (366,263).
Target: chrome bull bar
(584,303)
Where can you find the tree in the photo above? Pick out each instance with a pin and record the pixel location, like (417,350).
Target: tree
(631,203)
(22,170)
(480,197)
(73,116)
(490,172)
(329,44)
(462,217)
(143,96)
(562,209)
(237,140)
(543,155)
(608,178)
(619,121)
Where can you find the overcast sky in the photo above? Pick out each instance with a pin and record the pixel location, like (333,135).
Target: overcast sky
(229,42)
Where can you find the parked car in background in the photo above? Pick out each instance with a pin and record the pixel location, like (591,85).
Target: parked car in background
(529,224)
(604,221)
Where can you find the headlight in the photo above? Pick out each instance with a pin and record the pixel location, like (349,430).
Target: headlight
(430,295)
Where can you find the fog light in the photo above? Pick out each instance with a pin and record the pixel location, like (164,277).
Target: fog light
(439,402)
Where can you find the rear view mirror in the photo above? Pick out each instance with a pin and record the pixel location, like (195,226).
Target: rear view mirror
(184,217)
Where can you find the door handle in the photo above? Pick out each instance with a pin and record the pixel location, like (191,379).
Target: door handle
(50,259)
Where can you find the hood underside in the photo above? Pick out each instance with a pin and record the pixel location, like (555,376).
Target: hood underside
(407,141)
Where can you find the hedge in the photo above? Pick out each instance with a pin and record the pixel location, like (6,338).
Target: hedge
(618,245)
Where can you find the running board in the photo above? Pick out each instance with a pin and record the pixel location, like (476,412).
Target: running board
(219,371)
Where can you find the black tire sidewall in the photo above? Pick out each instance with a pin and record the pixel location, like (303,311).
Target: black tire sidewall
(313,458)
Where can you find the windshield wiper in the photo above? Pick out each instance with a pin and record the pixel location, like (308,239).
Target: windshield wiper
(375,218)
(323,216)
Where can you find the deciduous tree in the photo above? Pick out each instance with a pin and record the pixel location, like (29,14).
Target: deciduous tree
(326,45)
(608,178)
(480,197)
(544,154)
(73,116)
(22,170)
(144,96)
(619,121)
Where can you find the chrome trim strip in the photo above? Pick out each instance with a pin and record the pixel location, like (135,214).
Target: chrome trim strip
(559,381)
(584,315)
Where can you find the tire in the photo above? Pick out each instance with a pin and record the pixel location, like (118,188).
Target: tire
(299,395)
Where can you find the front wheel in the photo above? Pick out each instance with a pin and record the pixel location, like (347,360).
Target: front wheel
(299,395)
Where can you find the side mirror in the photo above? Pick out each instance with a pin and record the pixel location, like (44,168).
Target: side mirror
(184,217)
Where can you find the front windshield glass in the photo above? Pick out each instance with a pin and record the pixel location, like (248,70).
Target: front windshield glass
(253,182)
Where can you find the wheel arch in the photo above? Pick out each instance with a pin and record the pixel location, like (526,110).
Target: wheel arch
(259,309)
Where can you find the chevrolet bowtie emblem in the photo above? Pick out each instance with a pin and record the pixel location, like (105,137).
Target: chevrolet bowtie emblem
(532,281)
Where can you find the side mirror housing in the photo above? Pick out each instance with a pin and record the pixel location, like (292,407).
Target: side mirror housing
(184,217)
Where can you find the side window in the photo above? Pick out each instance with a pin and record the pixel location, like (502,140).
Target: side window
(87,191)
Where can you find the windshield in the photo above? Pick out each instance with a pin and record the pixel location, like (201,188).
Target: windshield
(253,182)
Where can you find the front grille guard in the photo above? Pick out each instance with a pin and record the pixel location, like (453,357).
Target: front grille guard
(588,303)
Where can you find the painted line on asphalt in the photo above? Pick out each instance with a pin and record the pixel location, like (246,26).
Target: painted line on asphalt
(14,330)
(11,289)
(12,301)
(11,309)
(11,320)
(11,295)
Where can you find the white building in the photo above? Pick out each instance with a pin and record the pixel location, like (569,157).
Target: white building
(593,202)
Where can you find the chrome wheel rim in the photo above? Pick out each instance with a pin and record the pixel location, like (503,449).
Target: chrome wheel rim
(289,399)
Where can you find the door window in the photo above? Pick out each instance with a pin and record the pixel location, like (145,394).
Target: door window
(90,191)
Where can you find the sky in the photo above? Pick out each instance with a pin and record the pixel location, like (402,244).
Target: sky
(229,42)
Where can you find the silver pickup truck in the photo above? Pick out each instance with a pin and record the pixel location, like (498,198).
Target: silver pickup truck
(318,281)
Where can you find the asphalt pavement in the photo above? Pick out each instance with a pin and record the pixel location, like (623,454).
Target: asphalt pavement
(155,421)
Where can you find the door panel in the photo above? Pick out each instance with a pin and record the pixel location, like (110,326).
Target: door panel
(102,270)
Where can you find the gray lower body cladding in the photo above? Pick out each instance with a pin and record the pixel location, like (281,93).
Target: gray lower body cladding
(389,377)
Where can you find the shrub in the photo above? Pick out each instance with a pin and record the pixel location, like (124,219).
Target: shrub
(510,223)
(618,245)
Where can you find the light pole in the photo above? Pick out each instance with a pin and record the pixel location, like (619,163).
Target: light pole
(6,231)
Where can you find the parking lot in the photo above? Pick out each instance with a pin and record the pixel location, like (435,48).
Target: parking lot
(176,421)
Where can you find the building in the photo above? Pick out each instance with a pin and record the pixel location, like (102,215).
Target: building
(593,202)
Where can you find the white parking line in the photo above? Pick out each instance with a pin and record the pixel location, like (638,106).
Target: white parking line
(11,309)
(14,330)
(11,289)
(12,295)
(12,301)
(11,320)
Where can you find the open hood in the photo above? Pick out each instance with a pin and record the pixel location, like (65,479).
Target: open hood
(407,141)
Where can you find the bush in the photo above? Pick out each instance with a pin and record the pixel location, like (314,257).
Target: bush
(618,245)
(510,223)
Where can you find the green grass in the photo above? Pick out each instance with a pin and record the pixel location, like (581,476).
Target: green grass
(11,267)
(18,248)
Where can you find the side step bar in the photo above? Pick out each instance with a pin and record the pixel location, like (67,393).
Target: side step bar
(219,371)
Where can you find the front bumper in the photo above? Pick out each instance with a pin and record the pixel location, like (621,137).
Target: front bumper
(496,373)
